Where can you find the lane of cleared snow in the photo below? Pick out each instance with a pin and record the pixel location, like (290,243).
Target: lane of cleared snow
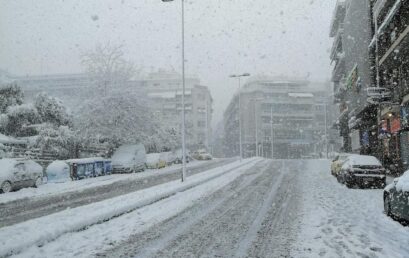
(100,237)
(39,231)
(342,222)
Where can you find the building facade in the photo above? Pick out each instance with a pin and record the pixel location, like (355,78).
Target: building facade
(353,75)
(390,47)
(280,119)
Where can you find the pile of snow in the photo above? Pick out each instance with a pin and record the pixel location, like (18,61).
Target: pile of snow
(16,238)
(58,172)
(403,182)
(49,190)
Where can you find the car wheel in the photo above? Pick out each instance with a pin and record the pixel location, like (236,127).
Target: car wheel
(6,187)
(387,205)
(349,184)
(38,182)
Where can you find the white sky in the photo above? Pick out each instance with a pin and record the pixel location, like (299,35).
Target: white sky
(276,37)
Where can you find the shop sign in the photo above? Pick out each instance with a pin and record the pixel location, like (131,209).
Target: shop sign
(377,95)
(352,79)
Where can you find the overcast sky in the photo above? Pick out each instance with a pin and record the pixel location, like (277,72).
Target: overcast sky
(275,37)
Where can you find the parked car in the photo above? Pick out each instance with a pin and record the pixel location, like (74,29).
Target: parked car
(202,155)
(361,170)
(396,198)
(19,173)
(129,159)
(337,163)
(179,156)
(155,161)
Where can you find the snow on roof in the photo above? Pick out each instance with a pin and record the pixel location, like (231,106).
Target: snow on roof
(187,92)
(4,139)
(164,95)
(301,95)
(85,160)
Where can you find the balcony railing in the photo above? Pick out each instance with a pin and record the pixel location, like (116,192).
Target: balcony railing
(339,69)
(336,49)
(378,6)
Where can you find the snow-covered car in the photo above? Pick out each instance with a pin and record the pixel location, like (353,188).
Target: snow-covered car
(19,173)
(168,157)
(337,163)
(58,172)
(154,161)
(129,159)
(202,155)
(179,156)
(396,198)
(361,170)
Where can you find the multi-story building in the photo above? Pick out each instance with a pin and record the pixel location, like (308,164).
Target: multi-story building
(390,48)
(353,75)
(165,91)
(278,119)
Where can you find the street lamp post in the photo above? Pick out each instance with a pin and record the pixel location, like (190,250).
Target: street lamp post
(272,132)
(238,76)
(183,93)
(256,123)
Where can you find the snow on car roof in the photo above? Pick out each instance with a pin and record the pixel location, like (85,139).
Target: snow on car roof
(363,160)
(6,165)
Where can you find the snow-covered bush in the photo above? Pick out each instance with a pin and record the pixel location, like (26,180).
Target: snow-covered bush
(51,110)
(61,141)
(19,119)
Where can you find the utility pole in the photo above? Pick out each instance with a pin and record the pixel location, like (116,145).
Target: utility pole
(183,92)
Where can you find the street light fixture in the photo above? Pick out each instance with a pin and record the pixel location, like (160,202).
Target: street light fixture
(183,93)
(238,76)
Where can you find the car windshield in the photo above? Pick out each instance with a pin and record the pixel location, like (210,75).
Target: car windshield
(204,128)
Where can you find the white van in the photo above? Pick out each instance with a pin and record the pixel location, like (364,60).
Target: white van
(129,159)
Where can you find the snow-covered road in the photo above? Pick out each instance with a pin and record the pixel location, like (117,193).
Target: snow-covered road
(263,208)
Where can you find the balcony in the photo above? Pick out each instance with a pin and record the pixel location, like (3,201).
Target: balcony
(337,18)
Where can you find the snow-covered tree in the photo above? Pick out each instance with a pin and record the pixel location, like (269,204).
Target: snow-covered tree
(108,66)
(122,119)
(10,95)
